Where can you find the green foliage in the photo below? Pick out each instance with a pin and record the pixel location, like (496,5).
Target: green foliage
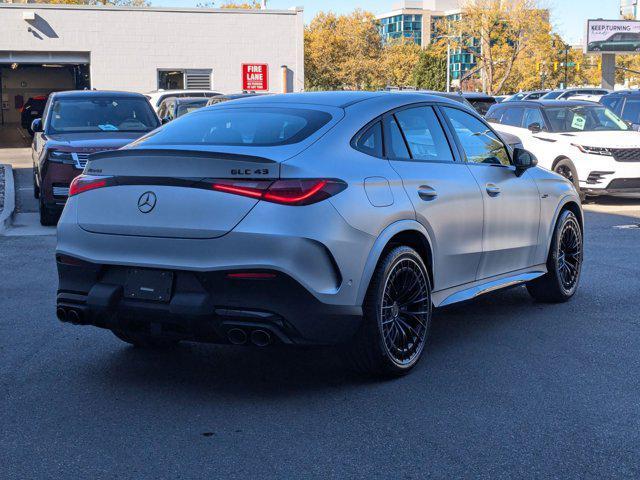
(430,72)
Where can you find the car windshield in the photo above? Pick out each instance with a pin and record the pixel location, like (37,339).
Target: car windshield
(583,119)
(242,127)
(103,114)
(552,95)
(184,108)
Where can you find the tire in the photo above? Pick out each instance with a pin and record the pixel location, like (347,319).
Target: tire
(141,340)
(36,188)
(393,335)
(47,218)
(566,169)
(564,263)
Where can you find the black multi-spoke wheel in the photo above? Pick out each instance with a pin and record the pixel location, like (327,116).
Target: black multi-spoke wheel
(564,262)
(405,311)
(569,256)
(397,315)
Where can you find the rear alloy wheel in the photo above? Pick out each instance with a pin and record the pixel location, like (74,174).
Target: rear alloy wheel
(142,340)
(565,168)
(397,316)
(564,262)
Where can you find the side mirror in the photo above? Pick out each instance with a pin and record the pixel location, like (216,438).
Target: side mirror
(523,160)
(165,120)
(36,125)
(535,128)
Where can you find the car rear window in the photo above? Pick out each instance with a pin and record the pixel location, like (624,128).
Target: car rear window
(241,126)
(101,114)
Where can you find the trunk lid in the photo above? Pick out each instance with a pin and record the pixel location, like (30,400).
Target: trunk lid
(167,192)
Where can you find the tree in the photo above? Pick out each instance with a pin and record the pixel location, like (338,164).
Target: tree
(399,60)
(430,71)
(255,5)
(343,52)
(498,33)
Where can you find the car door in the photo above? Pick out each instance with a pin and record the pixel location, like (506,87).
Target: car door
(511,203)
(444,194)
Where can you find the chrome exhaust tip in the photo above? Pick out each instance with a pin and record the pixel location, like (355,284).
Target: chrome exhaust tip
(260,338)
(237,336)
(61,313)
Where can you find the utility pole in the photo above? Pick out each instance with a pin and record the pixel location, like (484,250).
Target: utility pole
(566,64)
(448,65)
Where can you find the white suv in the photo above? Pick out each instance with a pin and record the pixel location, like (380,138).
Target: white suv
(582,141)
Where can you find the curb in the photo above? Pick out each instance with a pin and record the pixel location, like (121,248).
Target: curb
(9,199)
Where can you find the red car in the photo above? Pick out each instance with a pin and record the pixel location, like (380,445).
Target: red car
(74,125)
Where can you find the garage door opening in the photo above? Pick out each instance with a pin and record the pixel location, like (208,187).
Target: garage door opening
(25,87)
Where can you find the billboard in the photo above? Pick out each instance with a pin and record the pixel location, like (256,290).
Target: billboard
(613,36)
(255,77)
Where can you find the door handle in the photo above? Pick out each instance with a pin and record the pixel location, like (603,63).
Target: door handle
(427,193)
(492,189)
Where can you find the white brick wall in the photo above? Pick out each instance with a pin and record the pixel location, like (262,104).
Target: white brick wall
(128,45)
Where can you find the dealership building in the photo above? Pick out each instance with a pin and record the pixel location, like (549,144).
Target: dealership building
(46,48)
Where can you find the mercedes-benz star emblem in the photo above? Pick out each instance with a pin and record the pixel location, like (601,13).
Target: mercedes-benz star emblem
(147,202)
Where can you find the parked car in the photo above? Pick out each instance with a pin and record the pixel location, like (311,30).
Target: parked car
(501,98)
(156,97)
(313,218)
(480,101)
(31,110)
(585,142)
(532,95)
(74,125)
(172,107)
(233,96)
(586,98)
(618,42)
(566,94)
(625,104)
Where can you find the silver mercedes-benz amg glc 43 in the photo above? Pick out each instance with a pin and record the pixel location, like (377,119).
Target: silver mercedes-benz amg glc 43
(316,218)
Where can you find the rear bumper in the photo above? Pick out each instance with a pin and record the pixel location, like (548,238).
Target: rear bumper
(203,306)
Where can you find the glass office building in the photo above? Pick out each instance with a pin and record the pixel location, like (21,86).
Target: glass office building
(419,20)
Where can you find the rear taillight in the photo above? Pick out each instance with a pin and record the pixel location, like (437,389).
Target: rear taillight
(84,183)
(286,192)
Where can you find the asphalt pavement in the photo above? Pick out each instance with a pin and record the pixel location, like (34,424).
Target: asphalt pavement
(508,389)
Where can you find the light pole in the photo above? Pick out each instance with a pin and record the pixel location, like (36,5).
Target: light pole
(448,65)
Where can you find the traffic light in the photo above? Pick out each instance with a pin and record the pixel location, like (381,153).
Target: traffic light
(555,66)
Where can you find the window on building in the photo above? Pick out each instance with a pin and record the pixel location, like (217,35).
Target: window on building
(191,79)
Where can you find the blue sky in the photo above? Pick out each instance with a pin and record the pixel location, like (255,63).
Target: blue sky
(567,16)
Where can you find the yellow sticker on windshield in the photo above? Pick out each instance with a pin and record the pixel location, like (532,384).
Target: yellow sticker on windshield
(578,122)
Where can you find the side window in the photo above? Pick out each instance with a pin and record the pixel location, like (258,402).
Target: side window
(424,134)
(370,142)
(396,146)
(613,103)
(531,116)
(479,143)
(495,114)
(632,110)
(171,110)
(513,116)
(162,111)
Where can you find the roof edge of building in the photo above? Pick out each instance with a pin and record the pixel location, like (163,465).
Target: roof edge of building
(36,6)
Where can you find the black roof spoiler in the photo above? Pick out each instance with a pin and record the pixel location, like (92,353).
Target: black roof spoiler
(170,152)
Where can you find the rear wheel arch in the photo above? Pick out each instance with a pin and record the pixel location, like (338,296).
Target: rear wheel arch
(415,240)
(404,232)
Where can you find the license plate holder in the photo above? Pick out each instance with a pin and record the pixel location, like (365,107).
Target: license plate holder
(143,284)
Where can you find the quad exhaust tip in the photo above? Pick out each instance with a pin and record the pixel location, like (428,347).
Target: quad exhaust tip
(260,338)
(237,336)
(61,313)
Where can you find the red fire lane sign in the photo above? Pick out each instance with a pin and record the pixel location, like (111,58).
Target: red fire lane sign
(255,76)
